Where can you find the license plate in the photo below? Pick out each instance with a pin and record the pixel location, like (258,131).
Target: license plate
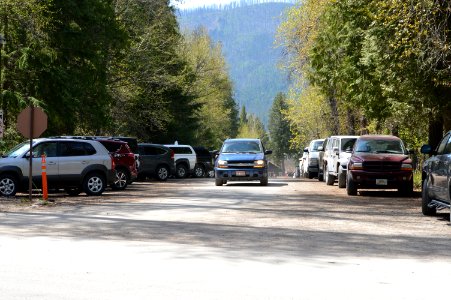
(240,173)
(381,181)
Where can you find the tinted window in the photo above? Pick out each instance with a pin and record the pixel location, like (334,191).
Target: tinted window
(443,145)
(202,151)
(150,150)
(181,150)
(111,146)
(76,149)
(347,144)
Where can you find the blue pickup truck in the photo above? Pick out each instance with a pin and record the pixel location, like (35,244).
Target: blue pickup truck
(241,160)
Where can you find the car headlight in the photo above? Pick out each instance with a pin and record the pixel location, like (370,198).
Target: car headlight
(259,163)
(356,166)
(222,164)
(406,167)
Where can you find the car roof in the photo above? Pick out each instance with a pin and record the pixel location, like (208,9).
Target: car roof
(243,139)
(379,137)
(344,136)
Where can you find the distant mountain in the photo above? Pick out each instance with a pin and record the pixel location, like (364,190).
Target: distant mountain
(247,34)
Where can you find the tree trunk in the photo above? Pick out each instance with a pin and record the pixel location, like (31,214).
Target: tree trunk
(335,126)
(435,131)
(351,122)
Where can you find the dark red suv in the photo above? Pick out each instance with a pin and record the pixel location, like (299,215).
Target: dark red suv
(379,162)
(124,160)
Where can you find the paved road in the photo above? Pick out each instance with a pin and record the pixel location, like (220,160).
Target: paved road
(187,239)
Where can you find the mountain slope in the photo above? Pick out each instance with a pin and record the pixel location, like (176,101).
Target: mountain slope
(247,35)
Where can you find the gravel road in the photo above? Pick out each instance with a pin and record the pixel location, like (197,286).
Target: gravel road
(188,239)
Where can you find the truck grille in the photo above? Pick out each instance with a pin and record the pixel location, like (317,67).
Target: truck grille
(241,164)
(381,166)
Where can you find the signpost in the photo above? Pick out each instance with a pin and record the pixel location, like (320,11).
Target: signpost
(31,123)
(2,126)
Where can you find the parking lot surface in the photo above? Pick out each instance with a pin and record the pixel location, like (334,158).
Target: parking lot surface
(188,239)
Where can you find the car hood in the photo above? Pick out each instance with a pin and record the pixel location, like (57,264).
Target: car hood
(241,156)
(380,157)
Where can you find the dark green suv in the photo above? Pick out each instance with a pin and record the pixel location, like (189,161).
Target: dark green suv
(242,160)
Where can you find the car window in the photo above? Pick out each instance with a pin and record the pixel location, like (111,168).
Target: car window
(347,144)
(448,146)
(76,149)
(149,150)
(443,145)
(316,145)
(47,148)
(181,150)
(241,147)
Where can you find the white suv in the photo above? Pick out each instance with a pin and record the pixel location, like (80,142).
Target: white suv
(184,158)
(73,164)
(336,155)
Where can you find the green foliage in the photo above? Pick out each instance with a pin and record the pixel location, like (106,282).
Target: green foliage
(279,129)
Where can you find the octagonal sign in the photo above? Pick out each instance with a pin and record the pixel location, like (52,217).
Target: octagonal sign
(37,127)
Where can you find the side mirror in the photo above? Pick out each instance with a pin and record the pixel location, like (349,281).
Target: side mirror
(349,150)
(267,152)
(426,149)
(320,148)
(335,150)
(306,149)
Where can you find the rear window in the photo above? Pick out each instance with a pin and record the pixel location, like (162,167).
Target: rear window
(111,146)
(181,150)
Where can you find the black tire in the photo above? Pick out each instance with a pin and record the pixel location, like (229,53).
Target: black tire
(425,200)
(199,171)
(321,176)
(8,185)
(351,187)
(72,191)
(94,184)
(330,179)
(211,174)
(219,182)
(181,171)
(341,178)
(121,180)
(162,173)
(264,181)
(311,175)
(406,190)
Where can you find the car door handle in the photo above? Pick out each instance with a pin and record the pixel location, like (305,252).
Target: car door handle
(51,163)
(84,162)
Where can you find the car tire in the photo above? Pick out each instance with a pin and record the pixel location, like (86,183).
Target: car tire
(406,190)
(72,191)
(330,179)
(321,176)
(211,174)
(351,187)
(199,171)
(8,185)
(341,178)
(162,173)
(94,184)
(264,181)
(311,175)
(121,180)
(219,182)
(425,200)
(181,171)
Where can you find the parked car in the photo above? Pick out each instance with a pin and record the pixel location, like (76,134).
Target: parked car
(379,162)
(303,163)
(185,159)
(124,160)
(436,177)
(321,150)
(73,164)
(337,152)
(242,160)
(156,161)
(204,163)
(313,158)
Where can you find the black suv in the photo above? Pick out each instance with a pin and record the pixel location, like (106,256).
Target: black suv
(436,176)
(156,161)
(204,163)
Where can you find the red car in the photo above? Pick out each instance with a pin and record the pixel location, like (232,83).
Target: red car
(124,160)
(379,162)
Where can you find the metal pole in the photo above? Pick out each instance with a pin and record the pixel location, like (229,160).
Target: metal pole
(30,171)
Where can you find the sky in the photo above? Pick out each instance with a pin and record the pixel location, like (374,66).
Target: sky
(189,4)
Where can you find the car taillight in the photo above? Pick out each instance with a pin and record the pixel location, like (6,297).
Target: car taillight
(172,154)
(113,165)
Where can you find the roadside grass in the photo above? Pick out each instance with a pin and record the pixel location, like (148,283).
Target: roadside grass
(417,180)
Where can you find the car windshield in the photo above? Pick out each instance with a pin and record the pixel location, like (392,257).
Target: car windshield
(316,145)
(18,150)
(380,146)
(241,147)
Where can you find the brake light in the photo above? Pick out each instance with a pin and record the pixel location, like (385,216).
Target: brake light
(172,154)
(113,164)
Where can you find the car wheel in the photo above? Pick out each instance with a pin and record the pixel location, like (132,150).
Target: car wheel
(351,187)
(162,173)
(120,180)
(199,171)
(72,191)
(218,182)
(406,190)
(211,174)
(8,185)
(341,178)
(330,179)
(94,184)
(311,175)
(181,171)
(425,200)
(264,181)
